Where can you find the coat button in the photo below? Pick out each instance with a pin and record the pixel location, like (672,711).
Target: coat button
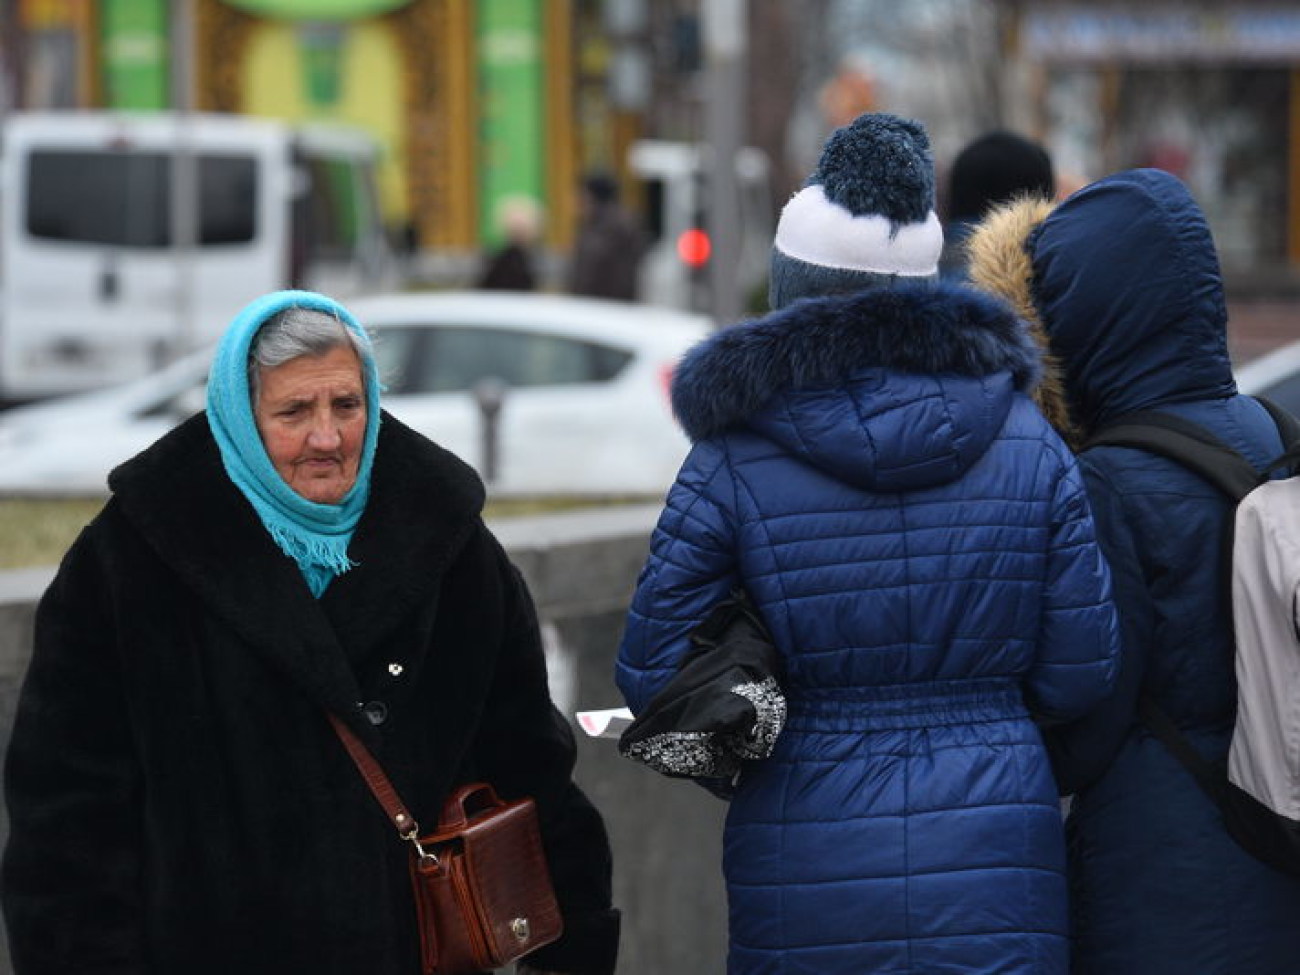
(376,712)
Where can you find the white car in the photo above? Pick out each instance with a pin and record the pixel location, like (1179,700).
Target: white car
(1274,375)
(583,387)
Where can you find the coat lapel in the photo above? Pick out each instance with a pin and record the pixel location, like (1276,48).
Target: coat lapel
(424,504)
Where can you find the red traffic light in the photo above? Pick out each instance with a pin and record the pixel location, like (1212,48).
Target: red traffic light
(694,247)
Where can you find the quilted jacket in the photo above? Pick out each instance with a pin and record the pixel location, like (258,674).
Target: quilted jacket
(917,538)
(1158,886)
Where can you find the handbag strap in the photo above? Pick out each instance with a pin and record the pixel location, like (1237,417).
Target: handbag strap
(378,781)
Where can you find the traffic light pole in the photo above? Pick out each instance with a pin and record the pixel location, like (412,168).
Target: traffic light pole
(184,177)
(725,40)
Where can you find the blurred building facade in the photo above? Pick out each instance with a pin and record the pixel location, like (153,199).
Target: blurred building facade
(1208,90)
(478,100)
(473,101)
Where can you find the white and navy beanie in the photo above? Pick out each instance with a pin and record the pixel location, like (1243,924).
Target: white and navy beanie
(864,218)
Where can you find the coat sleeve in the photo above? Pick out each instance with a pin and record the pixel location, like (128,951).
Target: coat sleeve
(1081,750)
(1079,642)
(71,870)
(691,567)
(527,747)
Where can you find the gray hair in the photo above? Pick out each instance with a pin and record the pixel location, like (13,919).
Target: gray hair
(295,332)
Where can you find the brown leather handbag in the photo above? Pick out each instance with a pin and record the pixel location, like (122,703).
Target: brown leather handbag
(483,893)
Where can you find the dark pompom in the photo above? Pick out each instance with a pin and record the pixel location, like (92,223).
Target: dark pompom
(879,164)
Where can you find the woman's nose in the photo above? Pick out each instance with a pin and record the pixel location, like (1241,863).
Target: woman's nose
(324,434)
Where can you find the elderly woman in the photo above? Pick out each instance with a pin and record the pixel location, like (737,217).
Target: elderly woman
(179,801)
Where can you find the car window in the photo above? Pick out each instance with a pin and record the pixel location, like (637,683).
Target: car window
(454,358)
(185,403)
(123,198)
(332,229)
(396,350)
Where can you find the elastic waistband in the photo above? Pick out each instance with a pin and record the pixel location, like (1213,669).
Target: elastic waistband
(905,705)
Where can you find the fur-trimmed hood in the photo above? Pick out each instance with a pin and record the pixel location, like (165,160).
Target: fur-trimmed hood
(1122,281)
(998,263)
(890,388)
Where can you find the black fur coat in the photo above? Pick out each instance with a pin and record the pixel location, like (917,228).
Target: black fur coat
(179,802)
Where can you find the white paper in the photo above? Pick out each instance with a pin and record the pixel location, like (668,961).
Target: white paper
(608,723)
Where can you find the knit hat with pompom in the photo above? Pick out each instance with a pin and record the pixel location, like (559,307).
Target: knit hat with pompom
(865,217)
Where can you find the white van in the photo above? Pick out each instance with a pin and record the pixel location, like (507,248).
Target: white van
(92,290)
(675,197)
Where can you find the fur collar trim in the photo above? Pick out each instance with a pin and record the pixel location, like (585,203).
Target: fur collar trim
(425,504)
(999,263)
(936,330)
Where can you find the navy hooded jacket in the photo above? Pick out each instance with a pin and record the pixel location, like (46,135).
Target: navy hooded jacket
(918,540)
(1127,284)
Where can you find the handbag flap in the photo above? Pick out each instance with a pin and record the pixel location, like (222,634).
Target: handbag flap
(498,854)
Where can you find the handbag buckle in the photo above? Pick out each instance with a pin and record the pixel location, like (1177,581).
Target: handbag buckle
(521,929)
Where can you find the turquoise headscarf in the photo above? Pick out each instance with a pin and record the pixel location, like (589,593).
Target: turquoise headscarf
(316,536)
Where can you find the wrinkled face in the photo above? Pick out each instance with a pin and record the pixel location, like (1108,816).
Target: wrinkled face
(311,414)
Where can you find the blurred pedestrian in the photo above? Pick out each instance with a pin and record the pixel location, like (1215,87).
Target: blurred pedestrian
(1124,279)
(610,244)
(178,800)
(867,464)
(513,265)
(990,170)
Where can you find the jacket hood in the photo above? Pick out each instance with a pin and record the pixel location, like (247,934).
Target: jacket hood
(1125,280)
(889,388)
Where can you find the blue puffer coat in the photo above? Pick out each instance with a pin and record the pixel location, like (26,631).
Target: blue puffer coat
(1126,280)
(918,540)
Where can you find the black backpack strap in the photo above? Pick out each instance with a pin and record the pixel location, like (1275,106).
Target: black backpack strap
(1192,446)
(1185,443)
(1288,428)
